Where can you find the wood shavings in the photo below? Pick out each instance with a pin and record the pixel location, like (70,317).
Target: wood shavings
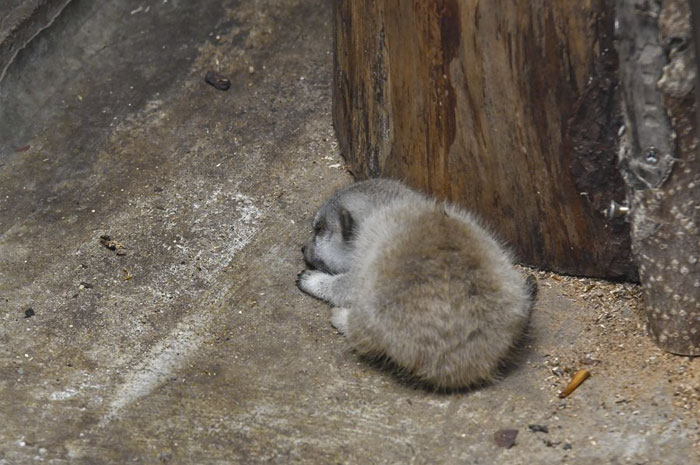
(575,382)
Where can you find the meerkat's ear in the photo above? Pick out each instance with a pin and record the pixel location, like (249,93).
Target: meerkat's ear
(347,224)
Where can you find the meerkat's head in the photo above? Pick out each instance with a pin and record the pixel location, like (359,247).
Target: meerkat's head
(338,221)
(331,246)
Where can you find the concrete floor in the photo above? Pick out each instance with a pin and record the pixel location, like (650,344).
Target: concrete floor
(191,344)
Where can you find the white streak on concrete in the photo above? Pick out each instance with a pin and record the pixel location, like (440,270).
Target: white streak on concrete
(63,395)
(170,353)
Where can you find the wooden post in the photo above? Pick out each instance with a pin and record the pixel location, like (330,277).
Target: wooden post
(506,107)
(660,162)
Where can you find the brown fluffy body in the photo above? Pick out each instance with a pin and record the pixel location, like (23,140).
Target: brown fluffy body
(425,285)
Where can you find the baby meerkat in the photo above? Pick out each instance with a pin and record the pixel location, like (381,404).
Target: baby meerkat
(417,281)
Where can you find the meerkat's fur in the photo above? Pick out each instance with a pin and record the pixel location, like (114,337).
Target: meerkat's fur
(417,281)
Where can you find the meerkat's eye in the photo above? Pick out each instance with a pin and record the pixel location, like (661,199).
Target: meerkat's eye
(319,227)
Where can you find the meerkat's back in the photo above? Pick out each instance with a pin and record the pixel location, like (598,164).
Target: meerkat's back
(435,293)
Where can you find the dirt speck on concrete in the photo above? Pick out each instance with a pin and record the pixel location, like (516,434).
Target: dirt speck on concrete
(505,437)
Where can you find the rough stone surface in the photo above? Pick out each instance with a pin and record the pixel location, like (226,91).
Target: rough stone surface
(185,340)
(21,21)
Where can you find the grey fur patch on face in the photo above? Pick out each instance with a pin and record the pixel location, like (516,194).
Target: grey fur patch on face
(338,220)
(330,247)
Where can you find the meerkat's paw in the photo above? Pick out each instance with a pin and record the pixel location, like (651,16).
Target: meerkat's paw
(339,319)
(312,282)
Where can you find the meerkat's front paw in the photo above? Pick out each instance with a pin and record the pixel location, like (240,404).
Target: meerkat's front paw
(311,282)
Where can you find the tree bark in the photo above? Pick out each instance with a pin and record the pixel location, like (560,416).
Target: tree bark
(660,162)
(506,107)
